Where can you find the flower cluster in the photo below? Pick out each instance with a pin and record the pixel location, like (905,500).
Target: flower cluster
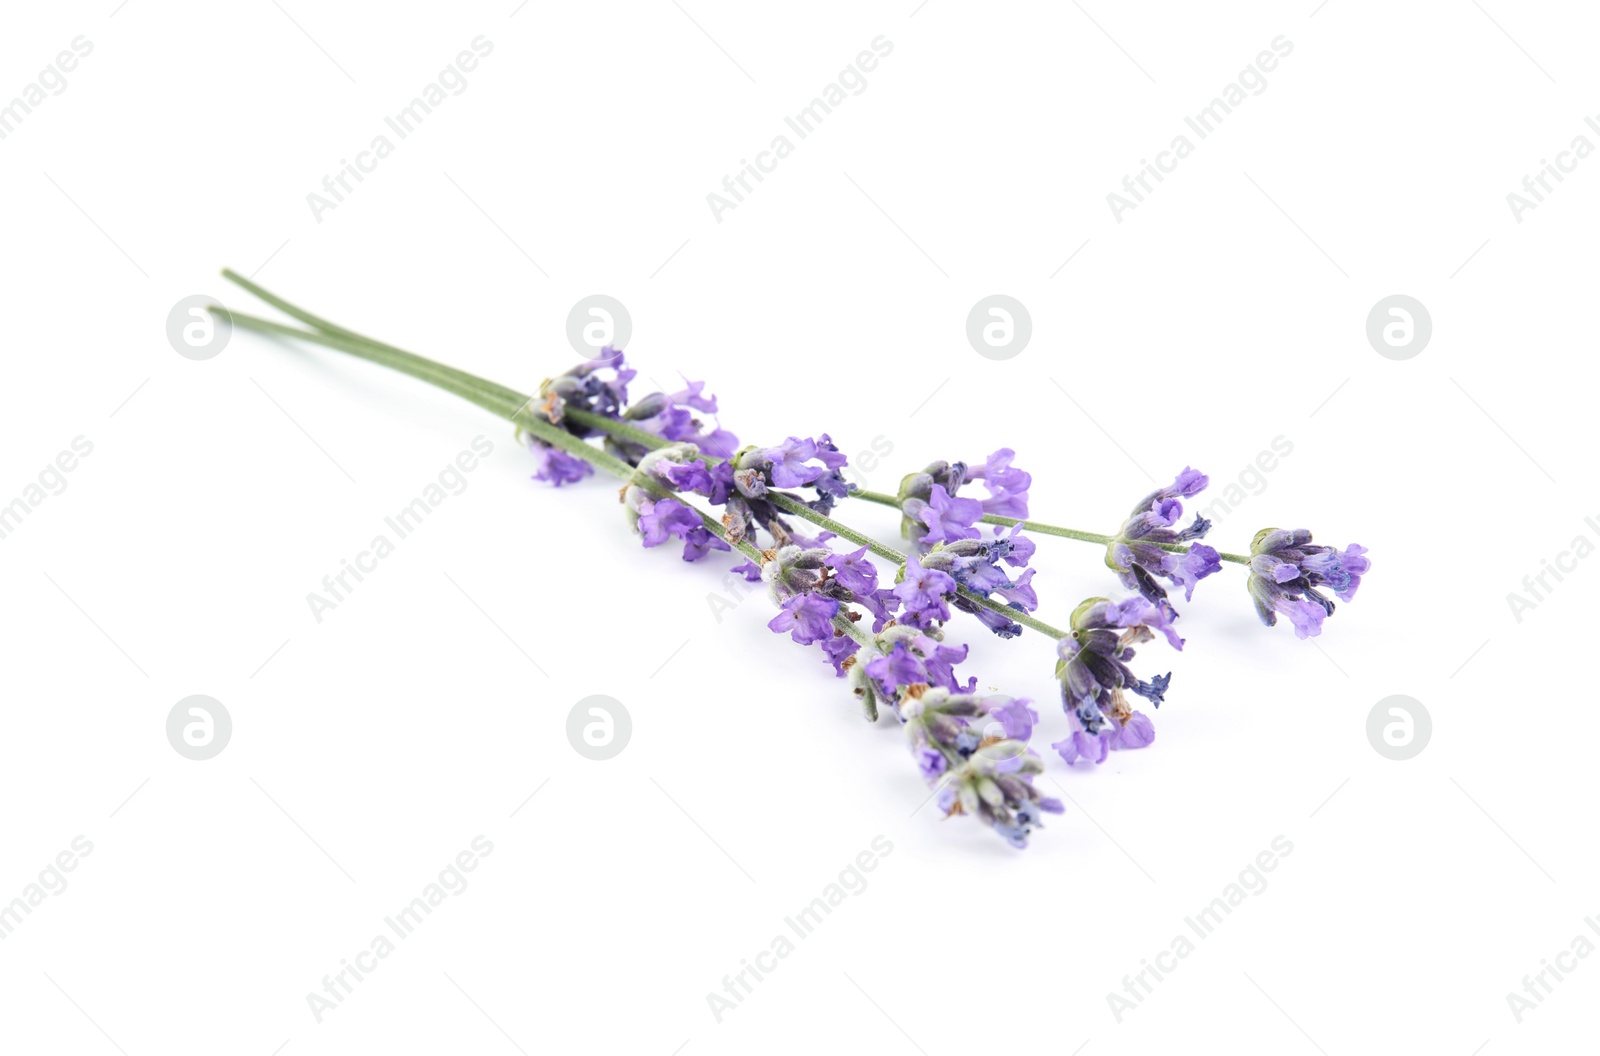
(658,517)
(985,772)
(907,657)
(742,484)
(1286,569)
(1095,677)
(933,512)
(600,386)
(944,526)
(987,777)
(1138,555)
(975,566)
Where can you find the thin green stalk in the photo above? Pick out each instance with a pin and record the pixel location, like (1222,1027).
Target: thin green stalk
(512,406)
(395,355)
(622,430)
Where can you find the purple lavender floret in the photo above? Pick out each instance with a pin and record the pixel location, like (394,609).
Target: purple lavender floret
(1012,547)
(931,762)
(600,386)
(944,517)
(718,441)
(855,570)
(1138,733)
(912,659)
(933,510)
(883,604)
(1138,556)
(660,519)
(555,466)
(831,485)
(741,485)
(922,592)
(838,651)
(1095,677)
(916,490)
(791,569)
(1287,570)
(800,462)
(1008,487)
(1020,593)
(975,566)
(659,414)
(687,476)
(788,464)
(699,541)
(808,618)
(690,397)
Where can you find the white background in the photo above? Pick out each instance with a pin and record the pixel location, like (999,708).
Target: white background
(370,748)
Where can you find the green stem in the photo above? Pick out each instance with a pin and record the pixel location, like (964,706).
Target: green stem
(622,430)
(393,356)
(512,405)
(1046,529)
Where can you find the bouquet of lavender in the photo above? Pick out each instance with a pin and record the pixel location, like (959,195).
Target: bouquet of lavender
(886,630)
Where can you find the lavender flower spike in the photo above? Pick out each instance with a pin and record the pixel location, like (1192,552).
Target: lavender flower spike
(1095,677)
(988,778)
(1286,569)
(657,518)
(1138,559)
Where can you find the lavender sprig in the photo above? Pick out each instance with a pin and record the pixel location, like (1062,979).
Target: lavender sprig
(666,452)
